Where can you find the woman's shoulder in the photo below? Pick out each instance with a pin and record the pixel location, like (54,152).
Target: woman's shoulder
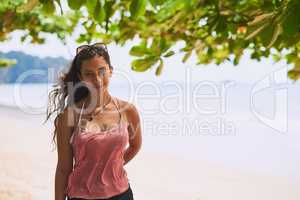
(124,105)
(69,113)
(128,108)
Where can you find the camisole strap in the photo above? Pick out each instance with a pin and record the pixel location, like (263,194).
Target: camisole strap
(117,105)
(79,119)
(77,126)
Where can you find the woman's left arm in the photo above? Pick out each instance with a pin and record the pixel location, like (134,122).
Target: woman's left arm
(134,130)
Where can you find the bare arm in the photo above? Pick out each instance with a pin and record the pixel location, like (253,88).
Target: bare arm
(64,152)
(134,130)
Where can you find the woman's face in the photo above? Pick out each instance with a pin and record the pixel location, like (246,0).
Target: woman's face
(96,73)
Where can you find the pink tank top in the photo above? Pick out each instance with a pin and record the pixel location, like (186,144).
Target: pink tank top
(98,171)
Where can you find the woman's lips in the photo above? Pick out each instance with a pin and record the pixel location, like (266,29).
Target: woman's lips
(97,86)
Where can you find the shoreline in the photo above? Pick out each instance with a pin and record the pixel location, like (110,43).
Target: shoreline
(28,166)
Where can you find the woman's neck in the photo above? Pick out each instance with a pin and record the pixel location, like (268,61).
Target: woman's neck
(99,99)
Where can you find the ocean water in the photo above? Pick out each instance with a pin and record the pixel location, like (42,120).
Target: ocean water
(231,125)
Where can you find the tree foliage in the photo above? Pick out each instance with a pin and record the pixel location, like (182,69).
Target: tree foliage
(215,30)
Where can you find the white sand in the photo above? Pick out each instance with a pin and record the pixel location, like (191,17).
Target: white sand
(27,168)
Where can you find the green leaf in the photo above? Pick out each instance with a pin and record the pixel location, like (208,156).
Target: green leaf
(91,29)
(269,34)
(138,51)
(236,60)
(276,57)
(159,68)
(294,74)
(109,10)
(155,3)
(76,4)
(164,45)
(159,45)
(276,3)
(276,33)
(186,56)
(221,25)
(137,8)
(28,6)
(291,23)
(82,38)
(155,45)
(170,53)
(99,12)
(141,65)
(169,8)
(49,7)
(91,5)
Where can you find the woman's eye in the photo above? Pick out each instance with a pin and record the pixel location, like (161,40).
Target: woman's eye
(89,74)
(102,71)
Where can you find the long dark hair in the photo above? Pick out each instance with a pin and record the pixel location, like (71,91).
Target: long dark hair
(61,96)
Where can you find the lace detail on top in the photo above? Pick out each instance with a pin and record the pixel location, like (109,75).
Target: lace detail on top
(77,128)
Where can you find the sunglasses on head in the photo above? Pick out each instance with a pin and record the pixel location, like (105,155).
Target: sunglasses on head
(85,46)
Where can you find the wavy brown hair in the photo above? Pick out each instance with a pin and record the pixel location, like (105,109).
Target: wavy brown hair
(62,94)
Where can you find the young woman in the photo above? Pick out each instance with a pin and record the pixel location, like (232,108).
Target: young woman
(94,128)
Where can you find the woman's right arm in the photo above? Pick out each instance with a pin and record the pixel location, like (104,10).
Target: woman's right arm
(65,122)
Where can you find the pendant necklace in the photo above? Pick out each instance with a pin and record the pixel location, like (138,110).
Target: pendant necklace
(100,109)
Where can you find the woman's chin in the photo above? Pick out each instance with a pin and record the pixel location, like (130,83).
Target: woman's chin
(97,87)
(100,88)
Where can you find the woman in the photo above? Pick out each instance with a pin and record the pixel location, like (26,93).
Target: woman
(94,128)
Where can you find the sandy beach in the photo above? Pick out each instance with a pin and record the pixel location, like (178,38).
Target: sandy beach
(28,165)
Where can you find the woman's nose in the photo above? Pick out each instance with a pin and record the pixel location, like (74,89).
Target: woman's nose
(98,80)
(96,77)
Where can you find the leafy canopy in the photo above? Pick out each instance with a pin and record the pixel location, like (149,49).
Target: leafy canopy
(215,30)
